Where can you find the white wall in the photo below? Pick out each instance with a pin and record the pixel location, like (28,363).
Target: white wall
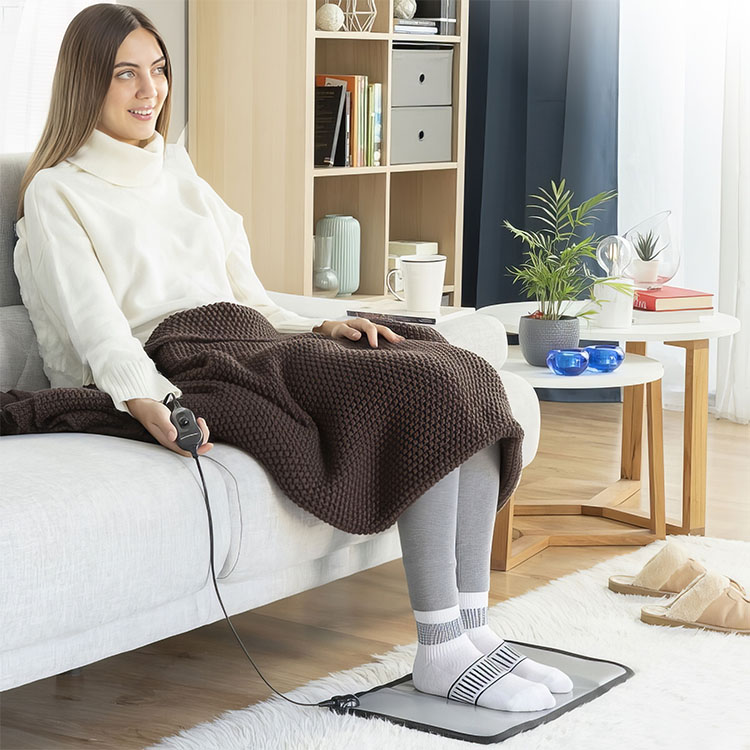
(170,18)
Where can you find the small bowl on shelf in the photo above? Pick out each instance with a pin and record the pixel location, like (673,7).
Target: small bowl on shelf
(605,357)
(567,361)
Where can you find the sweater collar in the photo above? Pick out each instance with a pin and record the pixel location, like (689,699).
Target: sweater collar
(121,163)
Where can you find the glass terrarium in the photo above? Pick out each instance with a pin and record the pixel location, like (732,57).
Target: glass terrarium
(656,257)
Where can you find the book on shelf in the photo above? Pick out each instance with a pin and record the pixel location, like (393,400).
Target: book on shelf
(441,11)
(667,317)
(374,132)
(421,30)
(381,311)
(671,298)
(343,153)
(329,112)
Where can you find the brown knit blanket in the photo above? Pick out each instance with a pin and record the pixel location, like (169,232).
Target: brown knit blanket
(351,434)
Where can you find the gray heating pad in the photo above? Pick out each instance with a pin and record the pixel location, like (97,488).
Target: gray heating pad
(401,703)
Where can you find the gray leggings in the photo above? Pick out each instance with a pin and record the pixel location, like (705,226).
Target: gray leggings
(446,534)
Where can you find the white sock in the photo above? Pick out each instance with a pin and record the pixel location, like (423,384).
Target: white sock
(444,654)
(473,608)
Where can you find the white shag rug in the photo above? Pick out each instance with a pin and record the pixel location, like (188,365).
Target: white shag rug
(690,691)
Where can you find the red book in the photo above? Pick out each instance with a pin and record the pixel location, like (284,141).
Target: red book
(671,298)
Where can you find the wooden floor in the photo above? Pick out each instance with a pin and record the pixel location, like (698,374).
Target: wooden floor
(133,699)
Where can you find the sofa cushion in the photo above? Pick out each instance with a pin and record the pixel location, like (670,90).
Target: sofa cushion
(12,167)
(269,531)
(20,363)
(96,528)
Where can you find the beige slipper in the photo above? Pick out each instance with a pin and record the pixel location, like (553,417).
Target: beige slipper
(711,602)
(667,573)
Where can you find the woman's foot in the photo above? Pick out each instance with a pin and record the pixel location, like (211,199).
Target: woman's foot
(457,669)
(486,641)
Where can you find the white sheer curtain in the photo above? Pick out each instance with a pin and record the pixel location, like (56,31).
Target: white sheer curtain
(733,381)
(679,140)
(30,56)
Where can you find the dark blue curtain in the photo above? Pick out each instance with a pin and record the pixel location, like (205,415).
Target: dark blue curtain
(541,105)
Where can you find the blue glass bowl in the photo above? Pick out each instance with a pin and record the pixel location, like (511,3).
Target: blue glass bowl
(605,357)
(568,361)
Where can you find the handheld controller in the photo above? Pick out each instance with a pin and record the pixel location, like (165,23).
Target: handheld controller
(189,435)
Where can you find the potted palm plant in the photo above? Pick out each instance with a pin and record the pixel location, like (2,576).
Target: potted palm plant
(554,272)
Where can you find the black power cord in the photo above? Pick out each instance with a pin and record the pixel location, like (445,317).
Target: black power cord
(189,438)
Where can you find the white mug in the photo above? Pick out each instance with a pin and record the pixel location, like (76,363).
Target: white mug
(423,282)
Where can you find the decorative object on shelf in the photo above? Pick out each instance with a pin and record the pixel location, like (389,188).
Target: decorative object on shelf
(554,272)
(613,295)
(656,258)
(345,249)
(359,14)
(325,280)
(423,277)
(412,247)
(567,361)
(329,17)
(404,9)
(605,357)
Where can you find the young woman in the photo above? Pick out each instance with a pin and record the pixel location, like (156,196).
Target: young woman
(117,232)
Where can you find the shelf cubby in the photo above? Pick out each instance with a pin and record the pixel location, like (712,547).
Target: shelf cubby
(365,198)
(417,212)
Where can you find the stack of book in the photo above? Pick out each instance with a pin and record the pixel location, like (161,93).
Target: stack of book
(414,26)
(670,304)
(348,121)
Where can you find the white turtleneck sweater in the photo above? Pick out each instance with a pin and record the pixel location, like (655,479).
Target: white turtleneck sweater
(115,239)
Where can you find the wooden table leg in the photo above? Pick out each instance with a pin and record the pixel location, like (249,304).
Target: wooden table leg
(695,438)
(632,422)
(502,538)
(656,459)
(503,555)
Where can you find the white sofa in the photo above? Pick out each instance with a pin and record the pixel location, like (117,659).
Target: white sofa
(103,541)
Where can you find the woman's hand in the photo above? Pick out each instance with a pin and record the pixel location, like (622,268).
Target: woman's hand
(354,328)
(154,416)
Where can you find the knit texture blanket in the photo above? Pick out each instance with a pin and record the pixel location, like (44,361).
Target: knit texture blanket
(350,433)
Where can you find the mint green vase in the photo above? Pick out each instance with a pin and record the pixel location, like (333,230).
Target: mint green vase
(345,249)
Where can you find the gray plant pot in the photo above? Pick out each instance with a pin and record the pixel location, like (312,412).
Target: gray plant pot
(537,337)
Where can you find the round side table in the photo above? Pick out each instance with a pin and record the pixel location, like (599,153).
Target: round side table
(636,370)
(693,338)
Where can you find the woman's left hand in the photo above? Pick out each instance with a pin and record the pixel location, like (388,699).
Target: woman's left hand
(354,328)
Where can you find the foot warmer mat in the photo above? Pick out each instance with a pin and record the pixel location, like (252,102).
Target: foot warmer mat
(401,703)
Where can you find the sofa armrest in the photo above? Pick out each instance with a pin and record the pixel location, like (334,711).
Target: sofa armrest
(479,333)
(330,308)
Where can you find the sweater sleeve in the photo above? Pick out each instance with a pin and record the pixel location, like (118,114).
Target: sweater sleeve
(77,295)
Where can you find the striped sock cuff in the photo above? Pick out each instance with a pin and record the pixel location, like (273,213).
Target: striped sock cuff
(473,606)
(432,633)
(438,625)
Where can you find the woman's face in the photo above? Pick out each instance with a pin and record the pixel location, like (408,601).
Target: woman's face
(137,90)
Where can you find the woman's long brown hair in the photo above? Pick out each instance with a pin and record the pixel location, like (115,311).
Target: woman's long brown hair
(82,79)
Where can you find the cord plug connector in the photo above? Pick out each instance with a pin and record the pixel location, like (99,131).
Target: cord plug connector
(340,703)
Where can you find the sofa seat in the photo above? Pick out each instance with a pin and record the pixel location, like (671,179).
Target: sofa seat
(265,523)
(97,528)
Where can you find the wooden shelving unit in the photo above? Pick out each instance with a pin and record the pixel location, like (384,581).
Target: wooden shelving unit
(252,67)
